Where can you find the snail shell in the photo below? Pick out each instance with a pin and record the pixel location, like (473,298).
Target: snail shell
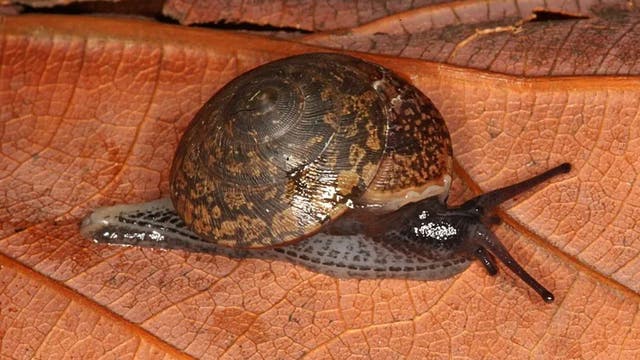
(271,164)
(288,147)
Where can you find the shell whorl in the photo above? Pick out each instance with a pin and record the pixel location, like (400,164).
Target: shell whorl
(279,151)
(285,148)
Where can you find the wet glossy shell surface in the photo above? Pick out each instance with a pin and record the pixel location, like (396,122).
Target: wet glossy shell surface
(291,145)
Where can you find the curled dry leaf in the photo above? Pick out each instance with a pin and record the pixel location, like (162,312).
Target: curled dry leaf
(299,14)
(578,39)
(90,113)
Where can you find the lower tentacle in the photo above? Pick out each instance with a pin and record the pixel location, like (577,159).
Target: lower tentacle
(485,238)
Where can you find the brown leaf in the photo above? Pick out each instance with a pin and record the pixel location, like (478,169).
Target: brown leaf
(90,113)
(298,14)
(504,37)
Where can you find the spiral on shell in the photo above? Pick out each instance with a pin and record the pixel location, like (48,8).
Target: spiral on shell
(289,146)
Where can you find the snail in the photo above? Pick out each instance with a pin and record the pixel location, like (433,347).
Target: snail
(327,161)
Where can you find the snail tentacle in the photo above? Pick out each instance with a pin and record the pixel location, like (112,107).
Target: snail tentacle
(323,160)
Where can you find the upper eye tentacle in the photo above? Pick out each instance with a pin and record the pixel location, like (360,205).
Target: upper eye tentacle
(495,197)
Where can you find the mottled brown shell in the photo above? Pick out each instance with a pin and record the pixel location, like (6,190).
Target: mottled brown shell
(291,145)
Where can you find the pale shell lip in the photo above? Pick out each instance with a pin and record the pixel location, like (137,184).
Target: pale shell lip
(388,202)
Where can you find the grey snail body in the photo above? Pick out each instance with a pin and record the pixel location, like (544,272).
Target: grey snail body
(325,161)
